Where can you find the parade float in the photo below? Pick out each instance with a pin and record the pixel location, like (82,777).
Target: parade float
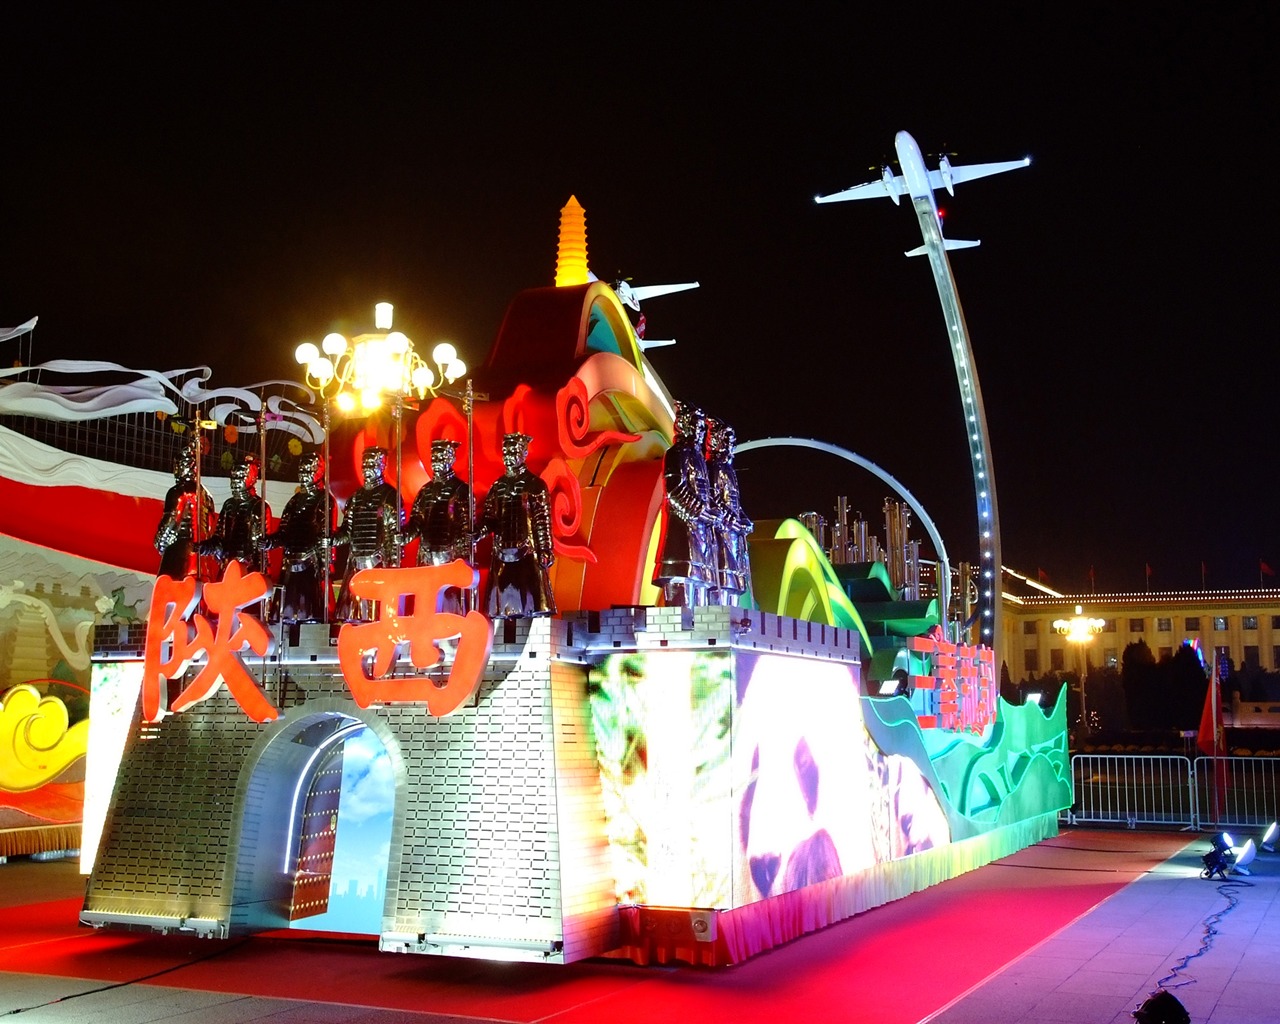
(610,714)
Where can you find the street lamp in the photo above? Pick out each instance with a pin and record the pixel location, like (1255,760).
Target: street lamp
(368,370)
(1080,630)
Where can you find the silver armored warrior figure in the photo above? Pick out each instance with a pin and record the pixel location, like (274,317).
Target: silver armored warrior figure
(240,529)
(732,526)
(686,565)
(188,511)
(517,511)
(301,532)
(370,532)
(441,520)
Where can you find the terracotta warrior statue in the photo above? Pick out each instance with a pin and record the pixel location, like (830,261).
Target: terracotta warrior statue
(301,532)
(370,532)
(732,527)
(441,520)
(188,511)
(686,565)
(517,511)
(240,529)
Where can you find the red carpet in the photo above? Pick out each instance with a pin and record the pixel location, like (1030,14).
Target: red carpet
(893,965)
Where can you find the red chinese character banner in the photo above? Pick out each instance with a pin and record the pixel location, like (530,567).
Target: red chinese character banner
(963,679)
(177,634)
(367,651)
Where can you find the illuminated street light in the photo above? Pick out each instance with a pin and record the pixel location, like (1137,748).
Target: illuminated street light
(1080,630)
(373,368)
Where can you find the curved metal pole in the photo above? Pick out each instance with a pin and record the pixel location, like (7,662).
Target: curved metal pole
(944,564)
(975,417)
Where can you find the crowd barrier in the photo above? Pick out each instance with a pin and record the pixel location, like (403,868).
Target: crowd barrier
(1175,791)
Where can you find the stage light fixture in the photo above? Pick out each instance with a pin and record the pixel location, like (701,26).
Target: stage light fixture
(898,685)
(1219,859)
(1162,1008)
(1244,857)
(1268,841)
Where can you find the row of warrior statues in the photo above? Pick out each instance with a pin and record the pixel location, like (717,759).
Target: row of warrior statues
(702,560)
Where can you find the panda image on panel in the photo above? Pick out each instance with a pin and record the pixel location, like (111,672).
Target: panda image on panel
(816,798)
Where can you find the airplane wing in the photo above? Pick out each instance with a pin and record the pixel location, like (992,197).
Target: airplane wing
(938,178)
(652,291)
(878,189)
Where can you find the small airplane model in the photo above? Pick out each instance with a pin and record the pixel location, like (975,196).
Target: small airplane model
(920,183)
(633,296)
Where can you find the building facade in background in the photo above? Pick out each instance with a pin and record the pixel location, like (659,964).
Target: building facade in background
(1242,624)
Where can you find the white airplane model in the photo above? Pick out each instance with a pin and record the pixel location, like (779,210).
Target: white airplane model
(633,296)
(919,182)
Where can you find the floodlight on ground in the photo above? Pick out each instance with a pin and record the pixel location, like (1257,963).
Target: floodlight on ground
(1162,1008)
(1218,860)
(1244,857)
(1268,841)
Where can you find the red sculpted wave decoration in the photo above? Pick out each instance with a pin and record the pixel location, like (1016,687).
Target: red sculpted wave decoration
(566,511)
(573,418)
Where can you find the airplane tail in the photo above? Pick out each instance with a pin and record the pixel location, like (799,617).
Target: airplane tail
(947,243)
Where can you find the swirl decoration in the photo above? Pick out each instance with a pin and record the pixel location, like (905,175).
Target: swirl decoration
(566,511)
(243,407)
(151,391)
(573,420)
(36,744)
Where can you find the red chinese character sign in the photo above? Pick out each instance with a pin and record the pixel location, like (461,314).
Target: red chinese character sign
(374,644)
(964,681)
(175,636)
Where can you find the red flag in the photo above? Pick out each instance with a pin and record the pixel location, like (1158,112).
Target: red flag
(1265,569)
(1148,570)
(1210,737)
(1042,576)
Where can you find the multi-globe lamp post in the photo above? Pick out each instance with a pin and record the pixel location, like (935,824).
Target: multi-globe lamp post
(1080,630)
(367,371)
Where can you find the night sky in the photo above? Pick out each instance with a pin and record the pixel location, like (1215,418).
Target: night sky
(213,185)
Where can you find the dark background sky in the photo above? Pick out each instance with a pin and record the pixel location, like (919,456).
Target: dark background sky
(212,185)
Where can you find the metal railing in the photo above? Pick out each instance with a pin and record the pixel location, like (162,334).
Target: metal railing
(1147,789)
(1237,792)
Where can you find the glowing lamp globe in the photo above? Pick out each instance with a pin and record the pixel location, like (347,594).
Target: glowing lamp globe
(382,316)
(457,368)
(443,354)
(422,378)
(306,353)
(334,344)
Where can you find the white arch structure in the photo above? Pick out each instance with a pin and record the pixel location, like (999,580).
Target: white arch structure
(944,564)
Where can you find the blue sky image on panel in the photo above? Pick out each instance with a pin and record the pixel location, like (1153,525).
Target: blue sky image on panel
(364,838)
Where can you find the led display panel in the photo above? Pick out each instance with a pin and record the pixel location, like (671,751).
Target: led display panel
(661,722)
(814,796)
